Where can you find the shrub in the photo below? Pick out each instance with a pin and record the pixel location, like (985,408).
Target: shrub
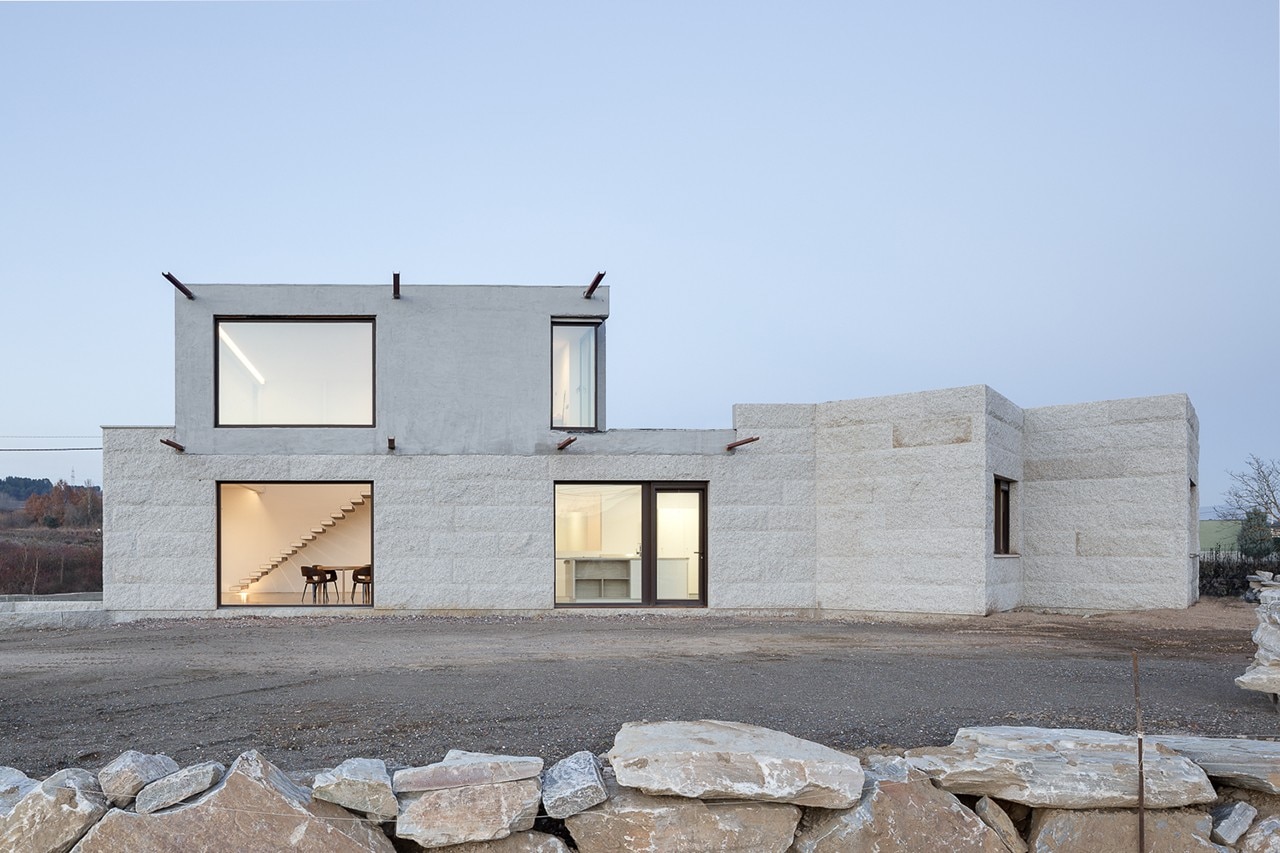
(1224,573)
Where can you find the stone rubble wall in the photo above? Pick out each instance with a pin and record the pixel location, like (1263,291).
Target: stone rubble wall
(1263,673)
(682,787)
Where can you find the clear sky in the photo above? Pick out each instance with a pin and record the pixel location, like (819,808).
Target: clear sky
(795,202)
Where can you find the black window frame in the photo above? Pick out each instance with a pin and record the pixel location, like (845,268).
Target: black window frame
(372,320)
(1002,527)
(596,323)
(649,490)
(217,585)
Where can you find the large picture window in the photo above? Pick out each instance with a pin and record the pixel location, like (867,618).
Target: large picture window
(621,544)
(573,374)
(295,544)
(284,372)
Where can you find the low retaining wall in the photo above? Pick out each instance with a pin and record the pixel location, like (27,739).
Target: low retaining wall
(682,787)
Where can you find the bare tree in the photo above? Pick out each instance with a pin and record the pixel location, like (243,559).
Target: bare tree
(1256,488)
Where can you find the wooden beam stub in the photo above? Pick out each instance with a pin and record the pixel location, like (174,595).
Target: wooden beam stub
(178,447)
(741,442)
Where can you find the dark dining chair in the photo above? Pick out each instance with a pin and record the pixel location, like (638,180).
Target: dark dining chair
(317,579)
(364,577)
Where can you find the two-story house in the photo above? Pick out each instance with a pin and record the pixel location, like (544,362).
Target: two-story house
(446,446)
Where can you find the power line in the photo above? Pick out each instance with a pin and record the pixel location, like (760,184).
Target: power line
(49,436)
(43,449)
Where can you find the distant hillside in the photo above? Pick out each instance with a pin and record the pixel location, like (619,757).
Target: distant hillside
(21,488)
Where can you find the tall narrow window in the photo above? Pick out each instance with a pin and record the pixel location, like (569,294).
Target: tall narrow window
(277,372)
(1003,539)
(573,375)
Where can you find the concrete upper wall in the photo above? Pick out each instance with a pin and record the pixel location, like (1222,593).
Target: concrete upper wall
(459,369)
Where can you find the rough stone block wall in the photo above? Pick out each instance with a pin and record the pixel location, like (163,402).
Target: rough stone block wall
(1107,503)
(463,533)
(1005,439)
(901,524)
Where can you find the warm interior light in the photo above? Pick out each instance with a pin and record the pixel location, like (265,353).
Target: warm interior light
(244,596)
(235,350)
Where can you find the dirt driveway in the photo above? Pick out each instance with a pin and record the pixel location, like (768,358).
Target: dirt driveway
(309,692)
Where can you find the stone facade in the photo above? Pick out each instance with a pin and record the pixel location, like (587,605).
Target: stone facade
(875,505)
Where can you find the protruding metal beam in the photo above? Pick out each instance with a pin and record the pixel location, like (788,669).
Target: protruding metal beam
(395,285)
(174,445)
(595,282)
(741,442)
(173,279)
(568,441)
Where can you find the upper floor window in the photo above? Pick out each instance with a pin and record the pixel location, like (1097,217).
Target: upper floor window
(573,374)
(286,372)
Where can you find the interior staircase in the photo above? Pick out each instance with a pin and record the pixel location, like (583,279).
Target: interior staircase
(285,555)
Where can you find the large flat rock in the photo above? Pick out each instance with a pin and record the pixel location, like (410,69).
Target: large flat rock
(52,816)
(461,768)
(474,813)
(1062,768)
(630,821)
(1242,763)
(1116,831)
(717,760)
(254,808)
(900,812)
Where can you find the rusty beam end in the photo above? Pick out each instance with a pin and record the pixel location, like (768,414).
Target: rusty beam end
(173,279)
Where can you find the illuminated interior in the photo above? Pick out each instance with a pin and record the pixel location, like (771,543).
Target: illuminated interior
(269,531)
(573,376)
(601,549)
(303,373)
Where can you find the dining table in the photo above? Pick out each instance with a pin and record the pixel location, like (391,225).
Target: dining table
(342,586)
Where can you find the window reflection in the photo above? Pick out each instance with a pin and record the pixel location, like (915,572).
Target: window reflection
(573,375)
(295,373)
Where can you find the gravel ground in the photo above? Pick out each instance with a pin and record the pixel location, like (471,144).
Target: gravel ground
(310,692)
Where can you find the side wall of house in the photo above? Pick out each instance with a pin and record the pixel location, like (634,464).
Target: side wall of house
(1108,505)
(902,503)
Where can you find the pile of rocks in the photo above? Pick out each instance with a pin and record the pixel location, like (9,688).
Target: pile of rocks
(683,787)
(1264,673)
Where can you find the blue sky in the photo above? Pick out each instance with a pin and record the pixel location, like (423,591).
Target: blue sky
(794,202)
